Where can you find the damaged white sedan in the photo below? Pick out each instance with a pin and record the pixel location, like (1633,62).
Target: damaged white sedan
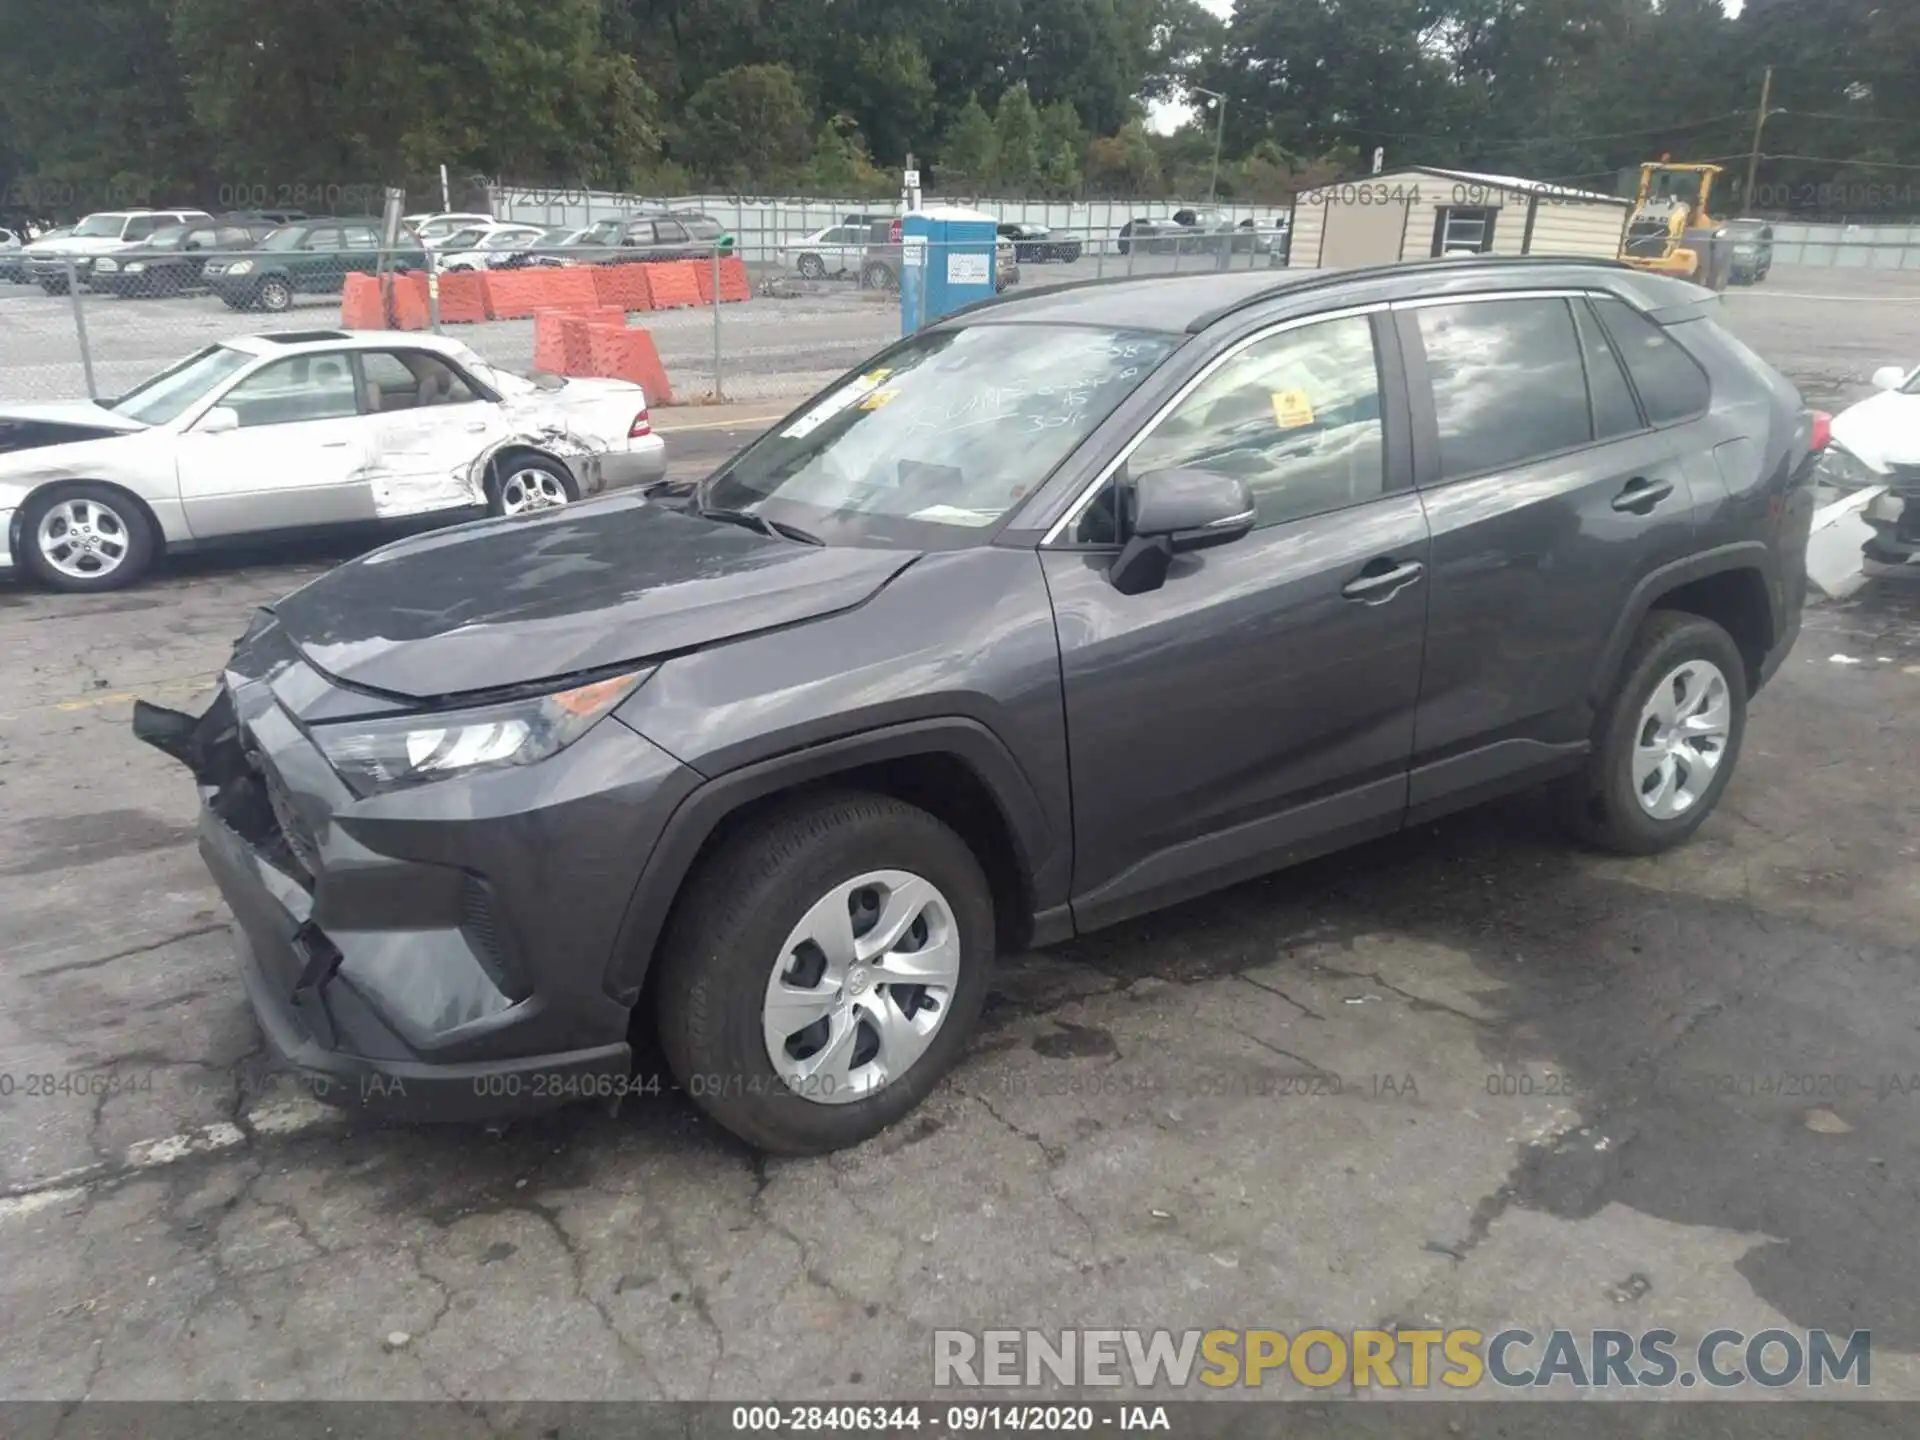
(297,432)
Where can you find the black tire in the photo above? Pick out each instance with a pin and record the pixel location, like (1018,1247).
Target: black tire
(1601,804)
(54,287)
(274,294)
(812,267)
(128,520)
(508,470)
(725,935)
(879,277)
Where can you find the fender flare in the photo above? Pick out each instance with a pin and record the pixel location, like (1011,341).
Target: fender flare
(700,813)
(1743,555)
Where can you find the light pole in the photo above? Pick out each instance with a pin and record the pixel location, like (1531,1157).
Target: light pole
(1219,134)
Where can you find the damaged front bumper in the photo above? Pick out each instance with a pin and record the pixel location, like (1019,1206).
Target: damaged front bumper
(438,953)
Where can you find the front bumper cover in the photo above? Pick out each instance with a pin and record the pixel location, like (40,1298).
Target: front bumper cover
(438,953)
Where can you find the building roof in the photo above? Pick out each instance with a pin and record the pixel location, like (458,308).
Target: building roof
(1495,182)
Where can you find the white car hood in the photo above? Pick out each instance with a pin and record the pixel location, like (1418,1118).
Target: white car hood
(68,412)
(1883,431)
(90,245)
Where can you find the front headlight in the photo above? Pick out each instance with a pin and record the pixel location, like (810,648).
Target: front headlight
(240,267)
(1843,470)
(134,267)
(109,265)
(395,752)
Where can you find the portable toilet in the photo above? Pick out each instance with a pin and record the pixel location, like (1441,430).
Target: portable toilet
(947,261)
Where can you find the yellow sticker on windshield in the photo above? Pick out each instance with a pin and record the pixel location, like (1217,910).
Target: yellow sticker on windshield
(874,377)
(1292,409)
(879,398)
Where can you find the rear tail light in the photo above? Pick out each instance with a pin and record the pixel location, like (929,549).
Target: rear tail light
(893,233)
(1822,430)
(642,426)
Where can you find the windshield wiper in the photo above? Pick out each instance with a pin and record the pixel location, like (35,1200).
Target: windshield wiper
(778,529)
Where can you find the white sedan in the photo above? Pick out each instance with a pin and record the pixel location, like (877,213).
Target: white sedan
(297,432)
(1874,458)
(481,247)
(835,250)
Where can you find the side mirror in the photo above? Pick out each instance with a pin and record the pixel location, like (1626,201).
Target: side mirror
(219,420)
(1889,377)
(1174,512)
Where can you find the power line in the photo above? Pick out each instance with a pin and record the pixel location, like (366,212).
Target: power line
(1829,160)
(1547,138)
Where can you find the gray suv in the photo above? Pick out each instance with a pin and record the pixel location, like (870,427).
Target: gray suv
(1068,607)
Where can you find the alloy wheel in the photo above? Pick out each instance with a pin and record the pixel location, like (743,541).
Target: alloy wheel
(83,538)
(861,987)
(525,491)
(1681,739)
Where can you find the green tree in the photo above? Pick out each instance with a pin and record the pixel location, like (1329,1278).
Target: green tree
(1124,164)
(1061,141)
(969,150)
(840,164)
(749,125)
(1016,140)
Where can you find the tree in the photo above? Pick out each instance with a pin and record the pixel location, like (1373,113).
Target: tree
(1061,141)
(1016,140)
(840,164)
(748,125)
(968,152)
(1123,164)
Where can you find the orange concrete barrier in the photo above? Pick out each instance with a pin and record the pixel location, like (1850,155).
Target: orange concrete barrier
(734,284)
(410,302)
(360,304)
(674,283)
(625,353)
(622,285)
(464,299)
(516,294)
(560,344)
(567,287)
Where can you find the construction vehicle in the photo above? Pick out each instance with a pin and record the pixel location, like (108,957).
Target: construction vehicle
(1672,230)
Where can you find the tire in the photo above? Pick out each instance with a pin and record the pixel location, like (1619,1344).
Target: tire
(110,517)
(274,295)
(879,277)
(723,948)
(528,484)
(53,287)
(812,267)
(1672,652)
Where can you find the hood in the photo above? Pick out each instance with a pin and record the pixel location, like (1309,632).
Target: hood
(41,426)
(500,603)
(68,412)
(78,245)
(1884,431)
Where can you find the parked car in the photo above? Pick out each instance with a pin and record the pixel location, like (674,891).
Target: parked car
(881,260)
(1876,447)
(833,250)
(1186,232)
(1263,238)
(50,260)
(553,247)
(481,248)
(302,431)
(311,257)
(653,235)
(172,259)
(1006,264)
(1040,245)
(1752,250)
(432,229)
(1066,608)
(12,265)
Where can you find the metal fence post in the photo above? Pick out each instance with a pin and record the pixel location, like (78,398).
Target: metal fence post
(80,327)
(719,391)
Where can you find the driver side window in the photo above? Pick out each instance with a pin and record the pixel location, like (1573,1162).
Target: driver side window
(1296,415)
(303,387)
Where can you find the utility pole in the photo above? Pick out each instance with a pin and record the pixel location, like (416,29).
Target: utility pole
(1219,134)
(1753,155)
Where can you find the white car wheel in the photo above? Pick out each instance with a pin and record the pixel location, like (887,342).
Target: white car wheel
(525,486)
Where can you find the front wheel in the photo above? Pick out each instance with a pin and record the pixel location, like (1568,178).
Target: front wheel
(85,538)
(824,969)
(879,277)
(275,295)
(1666,742)
(523,486)
(812,267)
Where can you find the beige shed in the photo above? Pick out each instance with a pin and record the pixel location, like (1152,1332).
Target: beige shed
(1419,212)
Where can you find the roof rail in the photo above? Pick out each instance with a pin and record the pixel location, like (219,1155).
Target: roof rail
(1326,279)
(1060,287)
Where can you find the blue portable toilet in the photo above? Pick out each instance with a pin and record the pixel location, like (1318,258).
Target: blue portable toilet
(947,260)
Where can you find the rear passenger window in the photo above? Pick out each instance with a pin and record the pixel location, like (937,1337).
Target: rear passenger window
(1614,412)
(1508,385)
(1671,385)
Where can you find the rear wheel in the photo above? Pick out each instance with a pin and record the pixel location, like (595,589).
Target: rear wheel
(824,969)
(1667,740)
(879,277)
(84,538)
(524,484)
(812,267)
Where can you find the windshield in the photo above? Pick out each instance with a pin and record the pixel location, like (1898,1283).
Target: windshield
(556,237)
(167,239)
(1912,387)
(172,391)
(943,436)
(287,237)
(507,239)
(97,227)
(465,239)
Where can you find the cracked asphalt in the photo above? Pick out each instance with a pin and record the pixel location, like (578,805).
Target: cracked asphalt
(1470,1076)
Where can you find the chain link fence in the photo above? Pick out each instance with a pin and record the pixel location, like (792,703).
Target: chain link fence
(822,285)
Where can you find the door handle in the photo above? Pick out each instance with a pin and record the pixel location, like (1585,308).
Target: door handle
(334,444)
(477,428)
(1381,580)
(1641,495)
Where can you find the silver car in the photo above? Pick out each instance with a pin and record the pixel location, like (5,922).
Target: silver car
(302,431)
